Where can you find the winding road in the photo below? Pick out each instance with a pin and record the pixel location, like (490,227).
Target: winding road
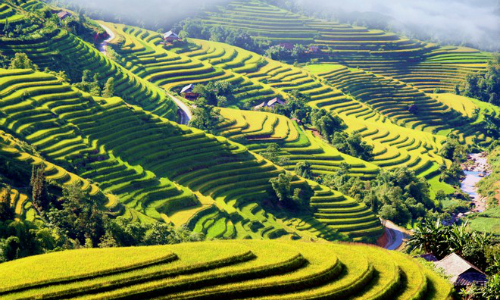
(395,235)
(184,111)
(104,44)
(185,114)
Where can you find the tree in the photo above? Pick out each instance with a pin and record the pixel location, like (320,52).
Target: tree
(6,27)
(281,186)
(80,217)
(326,123)
(109,88)
(4,61)
(272,153)
(352,144)
(21,61)
(39,189)
(205,117)
(303,169)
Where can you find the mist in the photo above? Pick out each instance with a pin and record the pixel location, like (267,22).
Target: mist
(473,23)
(150,14)
(468,22)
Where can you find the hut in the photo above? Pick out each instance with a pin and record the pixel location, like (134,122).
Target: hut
(271,103)
(188,92)
(170,37)
(462,273)
(62,15)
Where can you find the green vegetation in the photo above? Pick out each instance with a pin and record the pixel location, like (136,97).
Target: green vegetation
(485,87)
(489,187)
(62,46)
(229,269)
(188,178)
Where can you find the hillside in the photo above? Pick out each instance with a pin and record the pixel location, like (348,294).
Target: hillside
(229,270)
(427,66)
(59,50)
(373,105)
(188,178)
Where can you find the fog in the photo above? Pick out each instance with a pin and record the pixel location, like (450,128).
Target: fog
(470,22)
(151,14)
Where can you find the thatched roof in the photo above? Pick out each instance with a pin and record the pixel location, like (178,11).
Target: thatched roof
(63,15)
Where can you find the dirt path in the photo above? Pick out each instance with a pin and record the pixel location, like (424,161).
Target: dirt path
(102,46)
(184,111)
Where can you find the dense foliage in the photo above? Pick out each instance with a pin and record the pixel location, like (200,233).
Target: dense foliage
(216,93)
(398,195)
(205,116)
(485,87)
(441,240)
(191,28)
(489,186)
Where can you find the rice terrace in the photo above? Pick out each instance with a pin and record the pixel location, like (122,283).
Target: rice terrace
(249,149)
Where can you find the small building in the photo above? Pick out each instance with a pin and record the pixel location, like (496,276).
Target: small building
(462,273)
(271,103)
(188,92)
(170,37)
(62,15)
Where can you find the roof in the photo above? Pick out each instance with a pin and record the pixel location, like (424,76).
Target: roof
(170,34)
(274,102)
(459,269)
(187,88)
(260,105)
(63,14)
(270,103)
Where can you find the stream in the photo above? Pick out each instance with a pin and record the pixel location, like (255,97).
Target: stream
(475,170)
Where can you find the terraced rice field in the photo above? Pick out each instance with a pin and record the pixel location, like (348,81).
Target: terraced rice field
(373,105)
(157,169)
(172,70)
(224,270)
(45,47)
(257,130)
(424,65)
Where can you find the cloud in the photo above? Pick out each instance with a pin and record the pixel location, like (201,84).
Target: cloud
(470,21)
(148,13)
(475,22)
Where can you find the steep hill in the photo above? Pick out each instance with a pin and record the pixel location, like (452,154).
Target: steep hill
(427,66)
(57,49)
(158,169)
(373,105)
(229,270)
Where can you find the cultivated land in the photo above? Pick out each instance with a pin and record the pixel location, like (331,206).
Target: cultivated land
(374,105)
(229,270)
(132,159)
(427,66)
(159,170)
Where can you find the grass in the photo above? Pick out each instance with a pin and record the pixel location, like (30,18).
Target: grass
(228,269)
(488,221)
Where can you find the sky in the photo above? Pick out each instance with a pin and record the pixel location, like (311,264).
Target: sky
(474,21)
